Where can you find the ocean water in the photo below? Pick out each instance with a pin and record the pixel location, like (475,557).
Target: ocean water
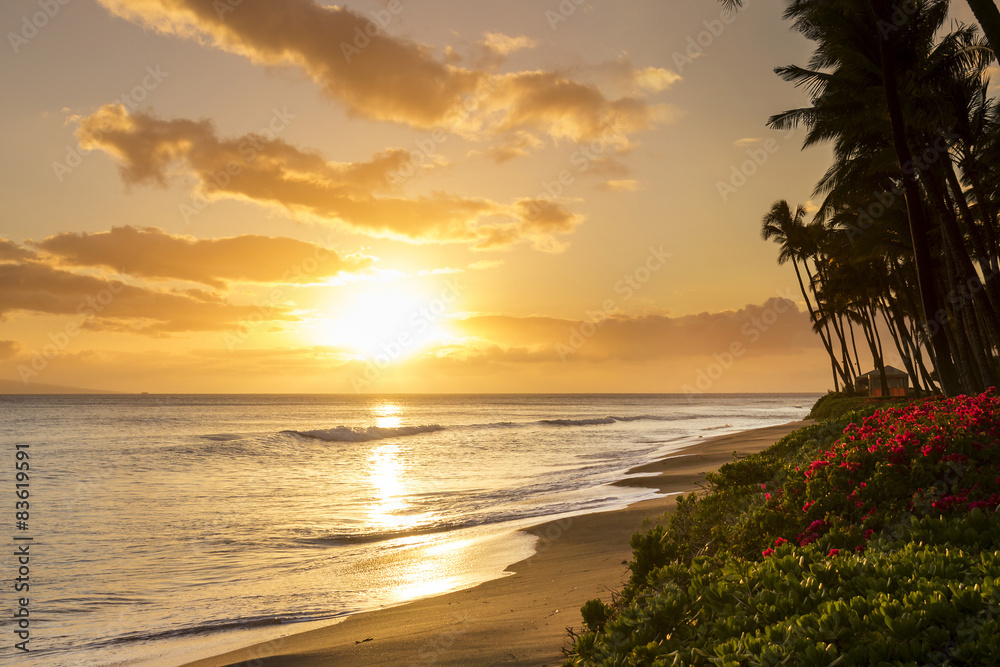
(168,528)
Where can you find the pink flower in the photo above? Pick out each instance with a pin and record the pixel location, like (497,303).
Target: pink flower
(778,542)
(833,552)
(767,552)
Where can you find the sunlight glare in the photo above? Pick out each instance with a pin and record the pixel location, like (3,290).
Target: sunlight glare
(386,415)
(389,509)
(394,323)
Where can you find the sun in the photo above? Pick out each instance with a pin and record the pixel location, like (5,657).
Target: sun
(391,321)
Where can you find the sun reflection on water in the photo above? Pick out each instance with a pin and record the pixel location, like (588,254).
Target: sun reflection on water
(422,567)
(389,491)
(436,571)
(387,415)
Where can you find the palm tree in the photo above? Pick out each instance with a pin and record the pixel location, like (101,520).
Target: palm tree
(787,228)
(985,12)
(947,203)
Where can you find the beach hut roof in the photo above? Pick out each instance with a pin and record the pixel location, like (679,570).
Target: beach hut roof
(890,371)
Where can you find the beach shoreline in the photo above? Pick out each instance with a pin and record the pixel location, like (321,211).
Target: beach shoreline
(521,618)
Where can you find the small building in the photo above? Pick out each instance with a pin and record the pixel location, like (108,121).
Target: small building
(898,381)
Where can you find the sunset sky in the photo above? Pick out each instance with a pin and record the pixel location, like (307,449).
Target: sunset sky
(282,196)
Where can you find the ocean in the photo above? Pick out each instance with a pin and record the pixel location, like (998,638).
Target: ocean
(165,528)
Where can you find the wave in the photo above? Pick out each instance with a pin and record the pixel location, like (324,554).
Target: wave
(578,422)
(219,626)
(222,437)
(365,434)
(716,428)
(594,421)
(368,538)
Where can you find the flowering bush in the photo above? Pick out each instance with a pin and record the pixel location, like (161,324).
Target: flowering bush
(939,456)
(871,539)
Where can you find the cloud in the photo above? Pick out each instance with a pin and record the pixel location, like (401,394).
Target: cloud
(503,45)
(10,251)
(9,349)
(540,220)
(608,167)
(501,353)
(625,185)
(774,327)
(570,109)
(273,172)
(106,304)
(622,77)
(148,252)
(513,145)
(375,75)
(486,264)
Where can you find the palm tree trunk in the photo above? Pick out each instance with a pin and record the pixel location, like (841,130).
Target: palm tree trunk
(989,18)
(823,336)
(854,346)
(880,364)
(970,286)
(919,228)
(899,334)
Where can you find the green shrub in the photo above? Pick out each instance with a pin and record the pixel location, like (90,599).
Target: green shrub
(873,538)
(835,406)
(902,602)
(595,614)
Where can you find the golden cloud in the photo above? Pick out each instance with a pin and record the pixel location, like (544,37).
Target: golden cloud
(148,252)
(272,172)
(10,251)
(108,304)
(776,326)
(503,353)
(623,185)
(9,349)
(378,76)
(502,44)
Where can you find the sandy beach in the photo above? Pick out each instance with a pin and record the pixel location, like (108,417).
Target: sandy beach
(520,619)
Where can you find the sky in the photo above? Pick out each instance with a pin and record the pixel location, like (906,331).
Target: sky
(399,196)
